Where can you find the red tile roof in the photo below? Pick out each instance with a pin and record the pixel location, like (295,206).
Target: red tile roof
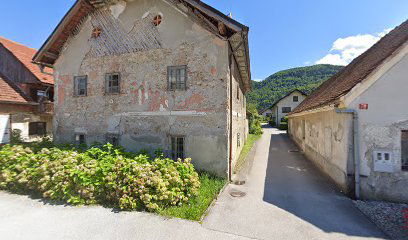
(340,84)
(9,93)
(25,55)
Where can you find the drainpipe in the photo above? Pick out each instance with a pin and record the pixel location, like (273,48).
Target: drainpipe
(356,149)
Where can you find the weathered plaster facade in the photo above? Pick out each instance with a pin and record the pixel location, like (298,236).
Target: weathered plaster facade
(145,114)
(328,138)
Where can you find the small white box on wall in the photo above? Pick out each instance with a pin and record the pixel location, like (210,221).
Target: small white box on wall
(384,161)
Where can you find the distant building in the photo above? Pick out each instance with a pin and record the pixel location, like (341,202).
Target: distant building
(26,93)
(283,106)
(152,74)
(354,127)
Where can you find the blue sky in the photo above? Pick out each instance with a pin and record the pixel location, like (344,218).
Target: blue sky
(283,33)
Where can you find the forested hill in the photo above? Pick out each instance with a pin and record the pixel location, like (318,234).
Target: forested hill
(306,79)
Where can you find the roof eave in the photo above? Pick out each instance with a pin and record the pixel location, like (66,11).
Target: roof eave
(59,28)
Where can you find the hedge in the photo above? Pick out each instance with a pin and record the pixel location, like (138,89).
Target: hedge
(98,175)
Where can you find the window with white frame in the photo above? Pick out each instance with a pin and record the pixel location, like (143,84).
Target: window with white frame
(295,98)
(177,78)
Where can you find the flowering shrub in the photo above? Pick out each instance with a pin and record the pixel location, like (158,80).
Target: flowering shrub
(100,174)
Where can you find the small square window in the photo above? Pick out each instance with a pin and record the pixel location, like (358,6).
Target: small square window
(37,128)
(112,83)
(295,98)
(178,147)
(177,78)
(81,85)
(80,138)
(113,139)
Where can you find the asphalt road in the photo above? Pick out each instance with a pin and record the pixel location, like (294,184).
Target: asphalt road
(287,198)
(27,219)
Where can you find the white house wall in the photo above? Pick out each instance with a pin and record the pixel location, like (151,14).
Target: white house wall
(380,128)
(286,102)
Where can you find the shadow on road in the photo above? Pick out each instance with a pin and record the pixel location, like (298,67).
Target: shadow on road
(293,184)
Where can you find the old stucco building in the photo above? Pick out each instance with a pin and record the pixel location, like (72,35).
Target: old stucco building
(283,106)
(26,94)
(150,74)
(355,126)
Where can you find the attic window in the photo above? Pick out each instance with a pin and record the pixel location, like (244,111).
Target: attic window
(157,20)
(96,32)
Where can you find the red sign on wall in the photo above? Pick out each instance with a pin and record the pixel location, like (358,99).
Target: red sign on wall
(364,106)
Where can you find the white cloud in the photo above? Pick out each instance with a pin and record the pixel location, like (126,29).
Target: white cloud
(344,50)
(258,79)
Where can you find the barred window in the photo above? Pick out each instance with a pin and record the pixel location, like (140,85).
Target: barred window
(295,98)
(112,139)
(404,150)
(177,78)
(177,147)
(81,85)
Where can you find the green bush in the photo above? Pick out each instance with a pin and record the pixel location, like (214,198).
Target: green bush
(283,126)
(16,136)
(272,123)
(100,174)
(255,120)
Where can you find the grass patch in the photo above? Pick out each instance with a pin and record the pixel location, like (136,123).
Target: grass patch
(194,210)
(252,138)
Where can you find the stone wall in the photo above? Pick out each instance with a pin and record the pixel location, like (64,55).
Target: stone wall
(145,114)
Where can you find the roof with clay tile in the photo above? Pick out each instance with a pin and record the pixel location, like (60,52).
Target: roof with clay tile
(10,93)
(340,84)
(25,54)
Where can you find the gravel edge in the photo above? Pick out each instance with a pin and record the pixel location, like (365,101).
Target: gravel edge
(389,217)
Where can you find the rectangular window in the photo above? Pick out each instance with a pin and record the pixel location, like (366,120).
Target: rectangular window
(80,138)
(112,83)
(37,128)
(286,109)
(177,78)
(177,148)
(404,150)
(112,139)
(295,98)
(81,85)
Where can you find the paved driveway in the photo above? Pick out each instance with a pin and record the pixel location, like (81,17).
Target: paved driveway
(27,219)
(287,198)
